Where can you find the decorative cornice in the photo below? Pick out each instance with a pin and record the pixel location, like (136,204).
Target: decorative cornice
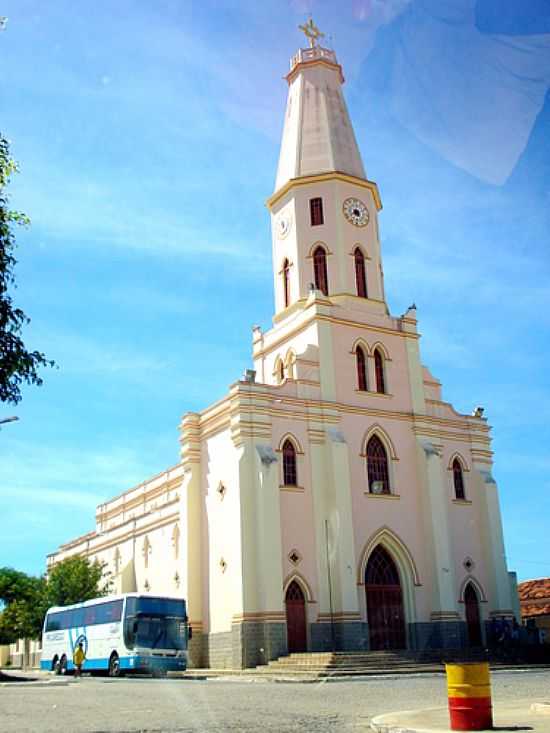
(321,178)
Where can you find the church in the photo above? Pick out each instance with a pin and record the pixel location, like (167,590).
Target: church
(332,500)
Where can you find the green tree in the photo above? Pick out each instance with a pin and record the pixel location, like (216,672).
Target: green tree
(17,364)
(26,598)
(24,604)
(76,579)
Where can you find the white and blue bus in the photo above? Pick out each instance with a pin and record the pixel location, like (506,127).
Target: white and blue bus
(119,634)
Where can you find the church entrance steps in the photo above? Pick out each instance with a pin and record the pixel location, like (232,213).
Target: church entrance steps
(326,665)
(299,672)
(362,662)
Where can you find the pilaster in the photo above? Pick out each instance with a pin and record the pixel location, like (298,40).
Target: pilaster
(262,570)
(331,486)
(501,601)
(444,582)
(191,524)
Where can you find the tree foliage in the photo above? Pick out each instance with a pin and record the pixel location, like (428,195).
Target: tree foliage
(24,601)
(17,364)
(26,598)
(76,579)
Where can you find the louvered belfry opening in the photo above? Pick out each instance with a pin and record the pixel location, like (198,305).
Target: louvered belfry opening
(286,283)
(385,612)
(320,270)
(360,275)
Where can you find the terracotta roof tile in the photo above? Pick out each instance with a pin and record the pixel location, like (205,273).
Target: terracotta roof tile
(531,589)
(528,610)
(534,597)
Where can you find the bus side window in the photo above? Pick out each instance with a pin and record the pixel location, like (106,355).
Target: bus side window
(117,610)
(53,622)
(78,617)
(90,615)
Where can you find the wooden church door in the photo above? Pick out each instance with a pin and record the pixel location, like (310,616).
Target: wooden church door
(473,618)
(385,612)
(296,618)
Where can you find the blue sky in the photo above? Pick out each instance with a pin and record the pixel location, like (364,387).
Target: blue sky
(148,135)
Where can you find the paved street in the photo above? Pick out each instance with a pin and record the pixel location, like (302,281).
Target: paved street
(98,704)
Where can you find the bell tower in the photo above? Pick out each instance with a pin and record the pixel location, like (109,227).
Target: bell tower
(324,209)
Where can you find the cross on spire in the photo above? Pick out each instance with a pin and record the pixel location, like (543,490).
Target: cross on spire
(312,32)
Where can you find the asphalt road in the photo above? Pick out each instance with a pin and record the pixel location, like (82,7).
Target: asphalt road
(100,704)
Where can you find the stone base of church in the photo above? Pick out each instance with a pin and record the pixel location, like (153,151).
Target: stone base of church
(348,636)
(248,644)
(438,635)
(253,643)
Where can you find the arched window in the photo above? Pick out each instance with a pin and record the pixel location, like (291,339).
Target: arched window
(379,371)
(361,369)
(146,551)
(320,270)
(290,477)
(176,541)
(290,362)
(458,480)
(377,467)
(286,283)
(117,560)
(360,275)
(381,569)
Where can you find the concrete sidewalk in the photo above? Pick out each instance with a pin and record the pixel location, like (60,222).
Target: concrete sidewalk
(519,716)
(32,678)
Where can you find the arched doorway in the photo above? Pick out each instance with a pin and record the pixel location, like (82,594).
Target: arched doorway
(296,618)
(473,616)
(385,612)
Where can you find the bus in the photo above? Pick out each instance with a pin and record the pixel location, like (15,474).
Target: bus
(120,634)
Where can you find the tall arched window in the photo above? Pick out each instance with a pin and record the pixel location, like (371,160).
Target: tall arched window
(379,371)
(320,270)
(377,467)
(286,283)
(360,275)
(176,541)
(458,480)
(279,370)
(361,369)
(290,477)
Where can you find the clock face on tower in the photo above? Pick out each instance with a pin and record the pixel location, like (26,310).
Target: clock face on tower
(356,212)
(283,226)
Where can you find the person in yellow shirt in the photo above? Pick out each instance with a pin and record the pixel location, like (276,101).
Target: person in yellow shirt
(78,658)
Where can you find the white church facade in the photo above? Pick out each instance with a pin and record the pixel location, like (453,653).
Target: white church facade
(332,499)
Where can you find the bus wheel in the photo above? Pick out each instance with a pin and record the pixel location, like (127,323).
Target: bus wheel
(63,665)
(159,673)
(114,665)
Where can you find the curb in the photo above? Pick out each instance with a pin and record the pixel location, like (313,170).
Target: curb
(38,683)
(384,724)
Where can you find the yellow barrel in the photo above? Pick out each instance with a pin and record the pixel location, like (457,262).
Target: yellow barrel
(469,692)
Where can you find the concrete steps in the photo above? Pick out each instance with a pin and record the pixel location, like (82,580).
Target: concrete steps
(348,663)
(312,666)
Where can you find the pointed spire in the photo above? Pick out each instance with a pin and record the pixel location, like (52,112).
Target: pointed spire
(317,136)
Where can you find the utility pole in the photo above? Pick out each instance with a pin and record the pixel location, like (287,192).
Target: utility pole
(332,636)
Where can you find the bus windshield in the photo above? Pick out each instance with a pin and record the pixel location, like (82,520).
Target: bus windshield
(155,623)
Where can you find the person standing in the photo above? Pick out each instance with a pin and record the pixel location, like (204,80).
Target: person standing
(78,658)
